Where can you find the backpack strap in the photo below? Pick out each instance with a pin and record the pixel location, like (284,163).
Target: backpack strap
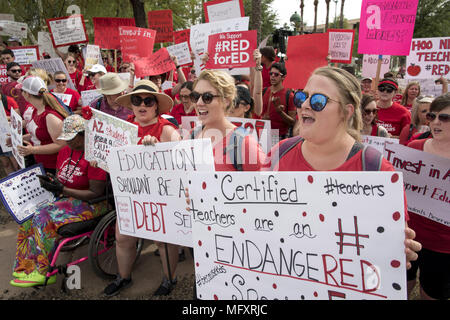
(66,107)
(287,146)
(196,131)
(98,103)
(411,127)
(4,101)
(371,157)
(234,147)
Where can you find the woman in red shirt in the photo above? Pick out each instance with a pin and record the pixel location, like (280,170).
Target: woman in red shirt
(147,104)
(419,121)
(186,107)
(330,124)
(75,183)
(369,118)
(73,97)
(434,258)
(70,60)
(412,91)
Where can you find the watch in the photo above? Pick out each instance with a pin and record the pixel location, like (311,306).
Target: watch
(259,68)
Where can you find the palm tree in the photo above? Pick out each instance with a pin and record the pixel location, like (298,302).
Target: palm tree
(342,15)
(316,3)
(256,17)
(302,5)
(328,13)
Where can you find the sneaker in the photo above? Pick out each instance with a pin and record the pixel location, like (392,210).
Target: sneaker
(116,286)
(31,280)
(166,287)
(19,275)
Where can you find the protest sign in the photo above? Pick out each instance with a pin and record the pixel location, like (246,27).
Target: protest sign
(298,235)
(13,29)
(370,63)
(149,188)
(341,45)
(3,74)
(182,36)
(22,194)
(162,22)
(377,142)
(200,34)
(428,58)
(92,56)
(53,65)
(426,178)
(26,55)
(88,96)
(232,49)
(6,16)
(5,129)
(104,132)
(307,53)
(45,45)
(65,98)
(218,10)
(158,63)
(65,31)
(16,126)
(182,52)
(386,27)
(106,31)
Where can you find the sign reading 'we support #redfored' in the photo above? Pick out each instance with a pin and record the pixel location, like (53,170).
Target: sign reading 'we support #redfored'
(232,50)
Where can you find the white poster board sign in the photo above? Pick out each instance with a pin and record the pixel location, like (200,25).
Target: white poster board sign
(377,142)
(16,136)
(104,132)
(426,178)
(428,58)
(182,52)
(201,32)
(67,30)
(298,235)
(88,96)
(223,10)
(370,63)
(5,129)
(13,29)
(92,56)
(341,45)
(22,194)
(149,184)
(25,55)
(53,65)
(65,98)
(45,45)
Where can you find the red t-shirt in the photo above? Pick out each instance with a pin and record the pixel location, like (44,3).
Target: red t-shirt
(407,132)
(432,235)
(178,112)
(265,76)
(11,104)
(74,171)
(76,77)
(9,89)
(40,136)
(394,118)
(278,98)
(75,97)
(88,85)
(154,130)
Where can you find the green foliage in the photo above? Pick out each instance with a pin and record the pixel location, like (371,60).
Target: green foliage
(432,19)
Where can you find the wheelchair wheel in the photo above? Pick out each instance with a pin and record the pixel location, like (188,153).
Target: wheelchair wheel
(102,248)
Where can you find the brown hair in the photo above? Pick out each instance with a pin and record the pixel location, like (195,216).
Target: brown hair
(405,93)
(365,100)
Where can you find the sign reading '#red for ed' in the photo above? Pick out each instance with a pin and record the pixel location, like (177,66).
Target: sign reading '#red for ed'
(232,50)
(136,43)
(162,22)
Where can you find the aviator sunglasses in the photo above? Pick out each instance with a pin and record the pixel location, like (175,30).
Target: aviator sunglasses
(443,117)
(149,101)
(207,97)
(318,101)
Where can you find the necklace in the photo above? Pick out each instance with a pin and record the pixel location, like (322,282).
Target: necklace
(76,164)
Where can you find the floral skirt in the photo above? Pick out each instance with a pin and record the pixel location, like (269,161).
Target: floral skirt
(37,239)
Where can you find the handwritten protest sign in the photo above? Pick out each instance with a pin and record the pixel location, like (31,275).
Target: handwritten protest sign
(65,98)
(298,235)
(306,52)
(88,96)
(232,49)
(200,34)
(13,29)
(3,74)
(67,30)
(53,65)
(26,55)
(341,45)
(45,44)
(218,10)
(149,188)
(92,56)
(370,63)
(182,52)
(104,132)
(386,27)
(106,31)
(428,58)
(158,63)
(162,22)
(22,194)
(426,178)
(5,129)
(16,136)
(377,142)
(182,36)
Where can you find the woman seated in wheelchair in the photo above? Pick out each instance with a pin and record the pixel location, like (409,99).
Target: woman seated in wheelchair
(75,183)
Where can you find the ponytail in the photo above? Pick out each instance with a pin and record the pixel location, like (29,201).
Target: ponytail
(51,101)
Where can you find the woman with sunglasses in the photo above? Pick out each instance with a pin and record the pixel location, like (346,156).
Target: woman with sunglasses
(434,259)
(419,121)
(186,107)
(70,60)
(369,118)
(71,97)
(330,124)
(147,104)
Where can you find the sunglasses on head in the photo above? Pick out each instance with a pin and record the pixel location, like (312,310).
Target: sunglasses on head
(207,97)
(16,70)
(61,80)
(443,117)
(369,111)
(387,89)
(318,101)
(275,74)
(149,101)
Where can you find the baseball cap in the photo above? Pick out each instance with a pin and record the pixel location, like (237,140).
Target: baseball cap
(72,125)
(366,78)
(388,82)
(98,68)
(33,85)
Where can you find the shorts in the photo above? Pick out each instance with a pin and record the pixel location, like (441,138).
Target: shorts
(434,273)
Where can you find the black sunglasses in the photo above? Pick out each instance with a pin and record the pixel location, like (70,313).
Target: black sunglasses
(16,70)
(387,89)
(207,97)
(443,117)
(61,80)
(368,111)
(318,101)
(149,101)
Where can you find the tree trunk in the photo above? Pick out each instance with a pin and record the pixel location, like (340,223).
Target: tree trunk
(139,13)
(316,3)
(256,18)
(328,14)
(341,22)
(302,5)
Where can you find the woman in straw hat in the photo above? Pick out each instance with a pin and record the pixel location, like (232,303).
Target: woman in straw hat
(147,104)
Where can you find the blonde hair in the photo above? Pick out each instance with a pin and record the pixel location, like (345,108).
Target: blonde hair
(350,91)
(41,73)
(222,82)
(405,95)
(415,112)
